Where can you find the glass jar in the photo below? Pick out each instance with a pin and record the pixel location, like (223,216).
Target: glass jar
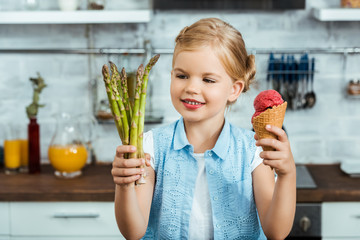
(67,152)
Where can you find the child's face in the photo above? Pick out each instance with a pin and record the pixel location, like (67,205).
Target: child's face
(200,87)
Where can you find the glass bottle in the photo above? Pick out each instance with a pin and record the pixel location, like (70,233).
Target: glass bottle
(34,146)
(67,152)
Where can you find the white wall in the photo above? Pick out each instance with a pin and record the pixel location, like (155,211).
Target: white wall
(327,133)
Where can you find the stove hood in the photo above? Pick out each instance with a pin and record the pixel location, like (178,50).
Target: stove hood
(228,4)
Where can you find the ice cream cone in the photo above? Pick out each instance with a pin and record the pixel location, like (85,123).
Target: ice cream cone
(273,116)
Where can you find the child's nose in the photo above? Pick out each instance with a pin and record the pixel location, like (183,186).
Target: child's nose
(192,86)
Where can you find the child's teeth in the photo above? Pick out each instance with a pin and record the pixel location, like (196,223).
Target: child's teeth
(192,103)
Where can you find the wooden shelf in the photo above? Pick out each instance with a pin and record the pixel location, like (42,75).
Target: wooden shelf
(75,17)
(336,14)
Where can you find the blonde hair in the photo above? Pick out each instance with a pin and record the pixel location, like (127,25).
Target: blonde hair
(226,41)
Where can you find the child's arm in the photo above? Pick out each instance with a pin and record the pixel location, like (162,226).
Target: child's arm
(276,201)
(132,203)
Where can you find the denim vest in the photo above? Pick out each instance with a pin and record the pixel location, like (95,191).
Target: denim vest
(229,178)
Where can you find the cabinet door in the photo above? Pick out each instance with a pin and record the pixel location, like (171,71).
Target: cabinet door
(340,219)
(4,219)
(63,219)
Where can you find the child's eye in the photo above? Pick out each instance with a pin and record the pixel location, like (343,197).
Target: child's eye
(181,76)
(208,80)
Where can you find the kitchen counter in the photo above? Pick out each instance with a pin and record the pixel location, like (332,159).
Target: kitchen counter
(96,184)
(333,185)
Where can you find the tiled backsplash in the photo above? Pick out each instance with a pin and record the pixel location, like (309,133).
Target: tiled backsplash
(327,133)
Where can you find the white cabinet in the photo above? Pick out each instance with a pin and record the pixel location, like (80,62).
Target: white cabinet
(340,220)
(63,220)
(4,220)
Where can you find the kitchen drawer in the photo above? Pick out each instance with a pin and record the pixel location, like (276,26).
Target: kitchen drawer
(63,219)
(341,219)
(4,219)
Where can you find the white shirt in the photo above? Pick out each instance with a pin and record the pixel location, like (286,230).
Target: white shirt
(201,222)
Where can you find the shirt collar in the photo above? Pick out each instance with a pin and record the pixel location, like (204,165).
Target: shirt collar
(221,147)
(180,139)
(222,144)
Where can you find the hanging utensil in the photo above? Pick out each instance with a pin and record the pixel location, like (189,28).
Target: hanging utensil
(281,75)
(277,75)
(292,82)
(299,82)
(295,84)
(286,75)
(305,81)
(270,75)
(311,97)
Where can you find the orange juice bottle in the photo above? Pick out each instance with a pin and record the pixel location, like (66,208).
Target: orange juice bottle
(68,160)
(12,156)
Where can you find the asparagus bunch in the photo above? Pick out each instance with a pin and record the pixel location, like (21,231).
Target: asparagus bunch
(129,115)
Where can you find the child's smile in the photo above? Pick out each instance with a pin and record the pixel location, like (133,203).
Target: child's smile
(192,103)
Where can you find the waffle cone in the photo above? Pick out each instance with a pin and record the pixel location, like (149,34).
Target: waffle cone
(273,116)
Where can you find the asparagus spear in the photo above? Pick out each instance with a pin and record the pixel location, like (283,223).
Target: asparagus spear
(119,100)
(125,90)
(113,105)
(135,113)
(145,79)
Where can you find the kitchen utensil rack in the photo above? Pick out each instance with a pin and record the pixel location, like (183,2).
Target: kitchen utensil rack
(293,78)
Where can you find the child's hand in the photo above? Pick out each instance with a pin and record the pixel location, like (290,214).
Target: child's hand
(126,171)
(282,159)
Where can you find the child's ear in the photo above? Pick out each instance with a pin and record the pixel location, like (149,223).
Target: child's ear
(236,89)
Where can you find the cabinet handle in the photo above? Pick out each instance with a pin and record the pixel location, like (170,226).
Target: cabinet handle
(76,215)
(357,216)
(305,223)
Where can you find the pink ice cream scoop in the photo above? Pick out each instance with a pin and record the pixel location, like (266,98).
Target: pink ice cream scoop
(266,99)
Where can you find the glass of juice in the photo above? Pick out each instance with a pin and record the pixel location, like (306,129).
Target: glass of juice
(12,150)
(12,156)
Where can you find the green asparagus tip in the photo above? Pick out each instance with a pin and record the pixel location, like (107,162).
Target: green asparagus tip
(141,70)
(113,67)
(123,73)
(154,59)
(105,72)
